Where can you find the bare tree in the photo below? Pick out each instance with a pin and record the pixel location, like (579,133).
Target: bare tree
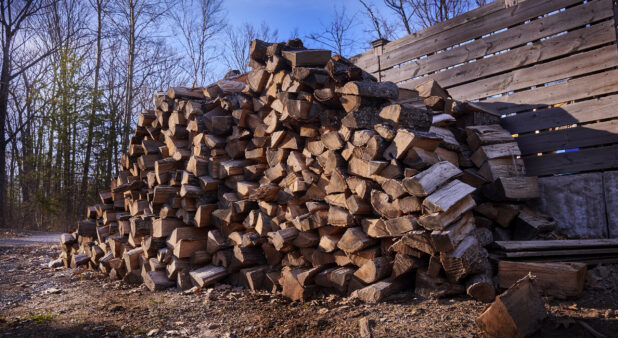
(294,34)
(135,20)
(99,6)
(337,34)
(379,25)
(238,41)
(14,17)
(400,7)
(425,13)
(198,21)
(431,12)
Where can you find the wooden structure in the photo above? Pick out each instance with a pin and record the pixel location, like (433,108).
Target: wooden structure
(549,68)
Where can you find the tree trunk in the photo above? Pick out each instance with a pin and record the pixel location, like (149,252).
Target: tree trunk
(93,110)
(129,91)
(5,78)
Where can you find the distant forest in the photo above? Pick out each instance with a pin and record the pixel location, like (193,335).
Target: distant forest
(76,73)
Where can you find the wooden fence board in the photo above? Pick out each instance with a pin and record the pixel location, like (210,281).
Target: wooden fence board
(583,87)
(368,60)
(581,136)
(571,18)
(574,65)
(500,19)
(571,42)
(579,112)
(534,61)
(455,23)
(574,161)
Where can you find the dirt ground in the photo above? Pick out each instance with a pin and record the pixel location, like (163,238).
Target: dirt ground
(42,302)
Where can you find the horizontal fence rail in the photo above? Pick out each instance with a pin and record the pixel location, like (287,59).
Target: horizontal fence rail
(549,68)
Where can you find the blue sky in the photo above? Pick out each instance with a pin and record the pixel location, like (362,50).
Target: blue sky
(306,15)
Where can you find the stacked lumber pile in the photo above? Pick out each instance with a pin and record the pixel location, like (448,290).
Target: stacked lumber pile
(588,251)
(306,174)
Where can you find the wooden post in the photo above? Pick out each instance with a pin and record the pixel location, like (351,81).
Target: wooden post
(378,50)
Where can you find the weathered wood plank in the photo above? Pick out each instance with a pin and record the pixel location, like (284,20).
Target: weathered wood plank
(579,112)
(574,89)
(569,138)
(560,280)
(557,244)
(574,65)
(395,54)
(512,38)
(566,252)
(573,161)
(367,60)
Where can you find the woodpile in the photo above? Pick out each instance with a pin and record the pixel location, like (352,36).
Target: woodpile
(307,174)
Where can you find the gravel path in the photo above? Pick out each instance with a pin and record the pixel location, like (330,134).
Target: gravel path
(34,238)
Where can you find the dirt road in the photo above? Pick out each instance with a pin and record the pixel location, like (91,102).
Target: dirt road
(36,301)
(31,237)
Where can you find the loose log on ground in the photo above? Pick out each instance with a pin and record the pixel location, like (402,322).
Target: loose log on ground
(518,312)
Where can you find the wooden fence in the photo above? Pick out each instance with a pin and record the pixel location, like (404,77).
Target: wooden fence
(550,69)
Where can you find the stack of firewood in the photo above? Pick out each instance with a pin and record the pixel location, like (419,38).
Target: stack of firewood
(307,174)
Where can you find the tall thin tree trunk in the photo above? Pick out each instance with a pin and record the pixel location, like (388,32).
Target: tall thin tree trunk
(129,91)
(5,78)
(93,109)
(11,196)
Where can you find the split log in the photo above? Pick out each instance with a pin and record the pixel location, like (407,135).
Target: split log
(518,312)
(208,275)
(481,286)
(376,292)
(374,270)
(486,135)
(429,180)
(335,278)
(383,90)
(383,206)
(354,240)
(157,280)
(513,188)
(468,258)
